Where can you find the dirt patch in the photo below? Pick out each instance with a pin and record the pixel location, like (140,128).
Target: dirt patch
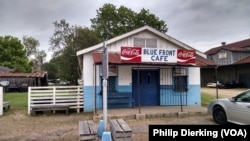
(17,125)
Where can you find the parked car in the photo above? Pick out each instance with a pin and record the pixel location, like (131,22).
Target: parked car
(232,84)
(213,84)
(231,110)
(24,87)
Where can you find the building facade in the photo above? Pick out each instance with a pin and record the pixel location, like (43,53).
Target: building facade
(156,83)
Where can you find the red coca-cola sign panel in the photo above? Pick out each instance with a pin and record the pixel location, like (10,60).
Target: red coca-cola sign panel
(131,54)
(186,56)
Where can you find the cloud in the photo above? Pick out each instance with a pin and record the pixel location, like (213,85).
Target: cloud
(201,24)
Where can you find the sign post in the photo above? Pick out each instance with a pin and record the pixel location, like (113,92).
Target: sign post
(105,83)
(102,129)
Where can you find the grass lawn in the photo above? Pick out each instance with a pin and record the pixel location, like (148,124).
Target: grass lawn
(19,100)
(206,98)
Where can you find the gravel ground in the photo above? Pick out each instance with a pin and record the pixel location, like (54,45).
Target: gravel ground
(140,128)
(18,126)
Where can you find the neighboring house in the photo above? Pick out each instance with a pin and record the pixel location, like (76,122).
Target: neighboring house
(21,81)
(150,83)
(233,62)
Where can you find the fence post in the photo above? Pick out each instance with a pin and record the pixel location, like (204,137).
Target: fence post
(78,99)
(54,95)
(1,101)
(29,95)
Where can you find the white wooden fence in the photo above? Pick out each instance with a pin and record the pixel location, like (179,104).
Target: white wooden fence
(59,95)
(1,101)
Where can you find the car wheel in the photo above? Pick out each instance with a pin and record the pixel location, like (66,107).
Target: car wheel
(219,115)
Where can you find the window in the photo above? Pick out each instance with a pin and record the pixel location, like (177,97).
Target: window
(140,42)
(112,70)
(222,55)
(151,43)
(180,83)
(112,84)
(180,79)
(145,42)
(112,79)
(244,97)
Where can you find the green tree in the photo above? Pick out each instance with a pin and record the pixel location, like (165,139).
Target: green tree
(111,21)
(147,18)
(51,68)
(65,42)
(13,54)
(31,46)
(126,20)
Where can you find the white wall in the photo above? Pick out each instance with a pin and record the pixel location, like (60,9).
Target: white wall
(124,75)
(88,71)
(165,77)
(194,75)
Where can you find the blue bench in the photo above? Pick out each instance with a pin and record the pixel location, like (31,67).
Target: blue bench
(120,98)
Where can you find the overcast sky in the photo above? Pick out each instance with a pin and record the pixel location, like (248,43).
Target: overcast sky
(201,24)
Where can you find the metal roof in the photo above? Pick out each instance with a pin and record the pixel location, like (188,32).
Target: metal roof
(30,75)
(236,46)
(243,61)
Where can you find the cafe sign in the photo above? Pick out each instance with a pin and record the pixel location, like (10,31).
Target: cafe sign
(138,55)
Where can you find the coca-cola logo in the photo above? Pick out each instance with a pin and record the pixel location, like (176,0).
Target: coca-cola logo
(130,52)
(186,54)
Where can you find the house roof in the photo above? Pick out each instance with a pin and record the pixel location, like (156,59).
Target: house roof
(114,58)
(236,46)
(243,61)
(29,75)
(144,28)
(203,62)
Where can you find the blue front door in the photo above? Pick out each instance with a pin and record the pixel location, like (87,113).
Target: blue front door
(145,87)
